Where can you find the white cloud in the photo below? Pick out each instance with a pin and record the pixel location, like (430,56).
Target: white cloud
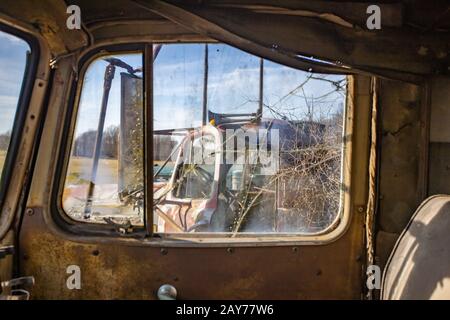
(10,38)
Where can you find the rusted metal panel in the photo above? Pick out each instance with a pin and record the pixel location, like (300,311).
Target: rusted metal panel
(440,109)
(401,127)
(136,272)
(296,37)
(49,19)
(402,144)
(354,12)
(37,90)
(439,168)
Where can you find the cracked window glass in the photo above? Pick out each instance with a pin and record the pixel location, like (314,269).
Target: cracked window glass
(264,154)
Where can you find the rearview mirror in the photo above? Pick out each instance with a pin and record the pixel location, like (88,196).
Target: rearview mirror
(131,136)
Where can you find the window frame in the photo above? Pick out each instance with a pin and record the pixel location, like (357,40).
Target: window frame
(330,234)
(58,213)
(23,102)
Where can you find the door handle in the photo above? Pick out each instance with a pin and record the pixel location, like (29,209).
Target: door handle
(13,289)
(167,292)
(5,251)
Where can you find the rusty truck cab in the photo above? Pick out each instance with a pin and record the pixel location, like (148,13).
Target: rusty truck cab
(224,149)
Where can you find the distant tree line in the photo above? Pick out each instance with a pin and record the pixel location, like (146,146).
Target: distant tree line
(85,143)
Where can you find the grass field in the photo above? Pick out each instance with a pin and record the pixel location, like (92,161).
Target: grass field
(79,171)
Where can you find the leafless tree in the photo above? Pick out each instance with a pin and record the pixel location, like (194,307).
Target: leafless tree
(308,182)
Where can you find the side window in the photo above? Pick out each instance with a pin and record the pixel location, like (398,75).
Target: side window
(309,174)
(105,174)
(255,147)
(13,60)
(241,145)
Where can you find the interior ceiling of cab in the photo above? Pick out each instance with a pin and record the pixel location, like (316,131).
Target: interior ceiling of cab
(414,40)
(420,14)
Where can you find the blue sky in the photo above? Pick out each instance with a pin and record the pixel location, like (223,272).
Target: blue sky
(12,65)
(92,92)
(233,86)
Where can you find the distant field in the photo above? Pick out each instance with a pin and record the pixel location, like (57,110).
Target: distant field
(79,171)
(2,159)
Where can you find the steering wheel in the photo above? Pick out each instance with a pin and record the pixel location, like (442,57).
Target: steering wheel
(204,175)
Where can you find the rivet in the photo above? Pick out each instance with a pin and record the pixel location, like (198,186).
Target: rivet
(164,251)
(29,211)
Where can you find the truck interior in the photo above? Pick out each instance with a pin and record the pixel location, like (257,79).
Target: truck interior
(220,149)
